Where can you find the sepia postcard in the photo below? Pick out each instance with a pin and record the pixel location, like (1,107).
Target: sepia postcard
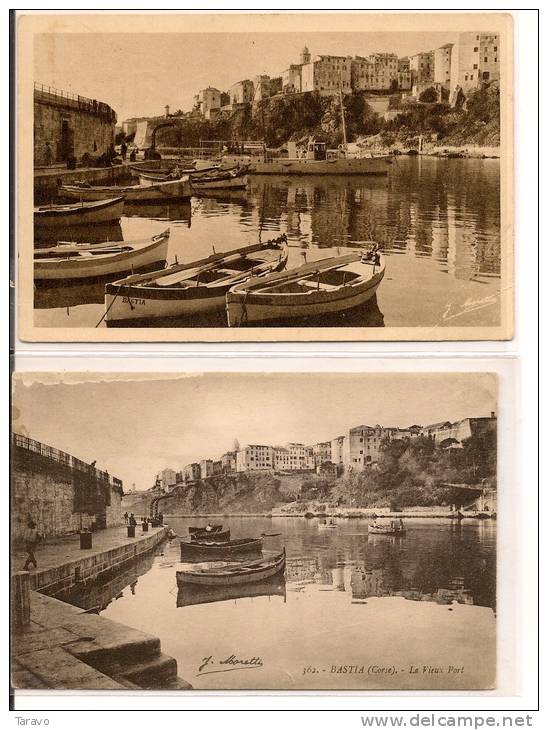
(264,177)
(167,535)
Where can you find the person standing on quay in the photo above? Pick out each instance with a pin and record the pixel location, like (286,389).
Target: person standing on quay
(31,541)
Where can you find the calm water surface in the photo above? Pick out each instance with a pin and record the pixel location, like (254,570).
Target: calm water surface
(348,599)
(437,220)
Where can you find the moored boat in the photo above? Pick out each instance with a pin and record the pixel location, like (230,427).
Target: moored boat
(387,527)
(86,261)
(318,288)
(249,572)
(147,176)
(192,594)
(219,536)
(219,182)
(78,214)
(170,189)
(206,528)
(221,549)
(196,287)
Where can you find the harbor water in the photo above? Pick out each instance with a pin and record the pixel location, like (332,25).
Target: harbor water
(354,611)
(437,221)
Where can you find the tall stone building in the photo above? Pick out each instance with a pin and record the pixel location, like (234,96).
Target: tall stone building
(475,59)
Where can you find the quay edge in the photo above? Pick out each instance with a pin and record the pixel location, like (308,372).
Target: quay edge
(61,646)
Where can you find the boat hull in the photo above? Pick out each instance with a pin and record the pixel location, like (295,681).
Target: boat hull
(220,536)
(249,574)
(107,211)
(191,594)
(143,258)
(171,190)
(255,307)
(235,183)
(353,166)
(128,302)
(220,550)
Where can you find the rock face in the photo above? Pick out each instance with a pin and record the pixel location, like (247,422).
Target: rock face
(234,492)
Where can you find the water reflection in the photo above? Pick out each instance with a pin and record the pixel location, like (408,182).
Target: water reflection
(98,233)
(437,221)
(180,212)
(95,596)
(437,561)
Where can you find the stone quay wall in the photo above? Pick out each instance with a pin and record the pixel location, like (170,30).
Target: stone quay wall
(100,565)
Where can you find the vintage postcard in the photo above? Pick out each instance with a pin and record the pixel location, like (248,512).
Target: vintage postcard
(167,535)
(276,176)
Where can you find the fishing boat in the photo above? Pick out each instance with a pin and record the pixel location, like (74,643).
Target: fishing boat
(317,288)
(234,182)
(387,527)
(147,176)
(192,594)
(220,536)
(220,550)
(196,287)
(170,189)
(249,572)
(78,214)
(206,528)
(84,261)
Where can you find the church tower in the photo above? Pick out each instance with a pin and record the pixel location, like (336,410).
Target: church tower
(305,56)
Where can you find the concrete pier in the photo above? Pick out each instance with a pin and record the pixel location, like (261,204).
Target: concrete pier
(57,645)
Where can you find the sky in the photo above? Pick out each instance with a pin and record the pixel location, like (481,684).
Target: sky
(135,428)
(138,74)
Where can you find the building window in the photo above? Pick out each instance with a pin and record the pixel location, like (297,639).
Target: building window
(475,65)
(485,59)
(475,49)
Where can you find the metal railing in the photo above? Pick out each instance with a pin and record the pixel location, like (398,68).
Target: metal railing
(83,103)
(61,457)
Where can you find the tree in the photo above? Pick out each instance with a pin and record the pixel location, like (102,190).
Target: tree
(429,95)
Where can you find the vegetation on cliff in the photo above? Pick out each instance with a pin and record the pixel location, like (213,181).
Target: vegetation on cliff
(412,473)
(296,116)
(408,473)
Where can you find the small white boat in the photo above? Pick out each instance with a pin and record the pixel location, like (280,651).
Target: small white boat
(168,190)
(233,182)
(78,214)
(193,288)
(318,288)
(85,261)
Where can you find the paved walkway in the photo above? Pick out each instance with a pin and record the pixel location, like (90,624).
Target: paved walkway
(55,552)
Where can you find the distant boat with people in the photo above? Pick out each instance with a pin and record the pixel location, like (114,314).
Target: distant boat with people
(387,527)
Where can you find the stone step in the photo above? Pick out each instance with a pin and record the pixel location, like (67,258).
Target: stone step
(177,683)
(147,674)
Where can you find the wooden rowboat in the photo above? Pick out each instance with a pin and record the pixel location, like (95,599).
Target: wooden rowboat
(78,214)
(229,575)
(170,189)
(220,536)
(147,176)
(207,528)
(220,182)
(389,527)
(196,287)
(220,550)
(192,594)
(86,261)
(314,289)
